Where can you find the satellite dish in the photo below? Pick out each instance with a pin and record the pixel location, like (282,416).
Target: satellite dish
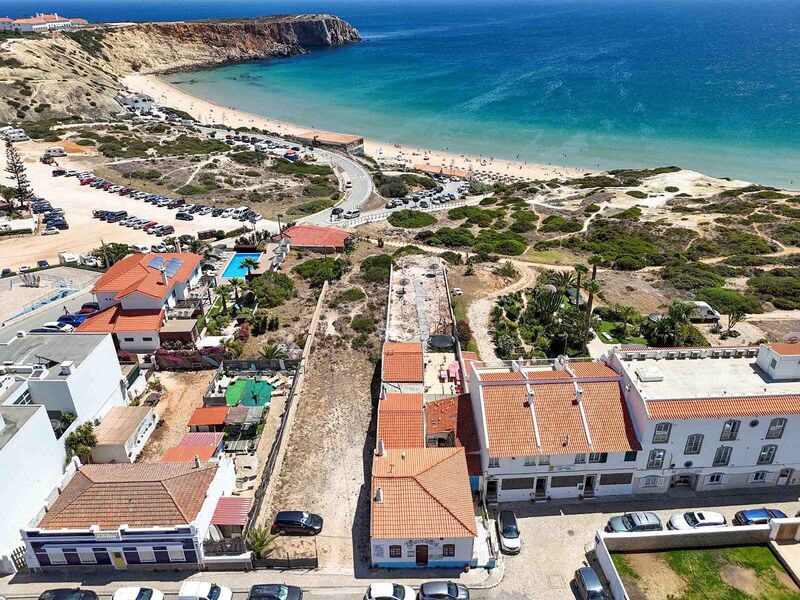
(792,337)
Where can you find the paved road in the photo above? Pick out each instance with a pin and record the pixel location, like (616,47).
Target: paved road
(50,313)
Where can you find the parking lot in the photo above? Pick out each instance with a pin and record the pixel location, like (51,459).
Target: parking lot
(557,537)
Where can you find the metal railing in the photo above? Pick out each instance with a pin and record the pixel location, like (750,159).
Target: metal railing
(385,214)
(229,547)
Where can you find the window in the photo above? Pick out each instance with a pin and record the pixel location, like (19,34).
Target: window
(631,456)
(530,461)
(494,463)
(580,459)
(767,454)
(715,479)
(56,556)
(128,339)
(598,457)
(86,556)
(544,460)
(760,477)
(776,427)
(730,431)
(651,481)
(722,456)
(518,483)
(147,339)
(773,363)
(656,459)
(146,555)
(661,433)
(395,551)
(448,550)
(176,554)
(693,444)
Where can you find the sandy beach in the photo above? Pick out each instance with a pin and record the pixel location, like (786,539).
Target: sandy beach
(208,112)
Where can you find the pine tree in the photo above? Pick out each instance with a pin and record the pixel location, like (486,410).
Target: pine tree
(16,168)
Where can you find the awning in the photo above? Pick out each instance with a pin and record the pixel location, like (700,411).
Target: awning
(232,511)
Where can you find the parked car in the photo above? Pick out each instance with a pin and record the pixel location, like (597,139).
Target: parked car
(158,248)
(696,520)
(203,590)
(275,591)
(757,516)
(296,522)
(443,590)
(634,522)
(588,584)
(93,306)
(58,327)
(59,172)
(6,272)
(73,320)
(165,230)
(42,263)
(508,532)
(388,591)
(216,212)
(137,593)
(352,214)
(184,216)
(67,594)
(51,231)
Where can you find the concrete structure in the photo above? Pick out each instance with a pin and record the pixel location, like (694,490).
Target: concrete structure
(136,102)
(40,23)
(122,434)
(339,141)
(130,516)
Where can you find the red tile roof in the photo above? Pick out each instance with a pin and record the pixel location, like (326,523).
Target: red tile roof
(593,369)
(728,406)
(116,319)
(209,415)
(454,415)
(196,438)
(141,495)
(786,349)
(402,362)
(314,236)
(426,494)
(400,421)
(133,274)
(188,453)
(501,376)
(232,511)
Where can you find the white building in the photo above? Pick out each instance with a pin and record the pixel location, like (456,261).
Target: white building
(552,430)
(137,102)
(49,385)
(122,434)
(714,418)
(40,23)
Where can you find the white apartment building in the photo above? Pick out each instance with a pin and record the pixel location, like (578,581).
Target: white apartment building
(552,430)
(40,23)
(714,418)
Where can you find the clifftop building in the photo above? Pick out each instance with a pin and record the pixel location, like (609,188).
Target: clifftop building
(40,23)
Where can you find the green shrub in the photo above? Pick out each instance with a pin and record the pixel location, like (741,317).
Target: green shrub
(85,142)
(148,175)
(449,237)
(312,206)
(783,292)
(591,208)
(353,294)
(362,324)
(318,270)
(288,167)
(727,301)
(636,194)
(555,223)
(452,258)
(629,262)
(411,219)
(248,158)
(690,275)
(272,289)
(252,173)
(376,269)
(474,215)
(671,189)
(407,250)
(315,190)
(631,213)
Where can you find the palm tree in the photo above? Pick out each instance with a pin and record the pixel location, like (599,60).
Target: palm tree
(592,287)
(223,291)
(235,284)
(626,314)
(198,247)
(272,352)
(563,281)
(678,314)
(249,264)
(580,270)
(595,260)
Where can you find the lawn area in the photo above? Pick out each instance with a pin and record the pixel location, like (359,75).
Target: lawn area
(554,256)
(734,573)
(610,327)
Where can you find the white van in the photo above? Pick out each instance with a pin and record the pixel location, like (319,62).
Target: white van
(55,151)
(703,312)
(140,248)
(16,135)
(238,212)
(203,590)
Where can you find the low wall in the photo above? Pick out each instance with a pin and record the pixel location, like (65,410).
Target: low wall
(656,541)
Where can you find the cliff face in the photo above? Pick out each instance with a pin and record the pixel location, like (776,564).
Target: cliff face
(77,73)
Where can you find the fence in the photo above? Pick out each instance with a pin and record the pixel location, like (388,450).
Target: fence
(385,214)
(234,547)
(299,562)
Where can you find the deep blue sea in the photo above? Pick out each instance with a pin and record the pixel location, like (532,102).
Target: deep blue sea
(712,85)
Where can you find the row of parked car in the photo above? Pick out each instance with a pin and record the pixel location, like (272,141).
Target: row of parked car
(67,323)
(635,522)
(53,219)
(123,218)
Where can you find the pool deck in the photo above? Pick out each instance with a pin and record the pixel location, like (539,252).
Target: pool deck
(240,273)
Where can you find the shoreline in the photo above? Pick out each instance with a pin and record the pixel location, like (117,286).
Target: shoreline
(208,112)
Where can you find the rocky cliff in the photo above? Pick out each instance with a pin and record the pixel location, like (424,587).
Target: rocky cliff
(77,73)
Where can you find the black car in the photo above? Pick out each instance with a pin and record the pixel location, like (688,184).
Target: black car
(68,594)
(183,216)
(217,212)
(337,211)
(60,224)
(297,522)
(59,172)
(90,306)
(275,591)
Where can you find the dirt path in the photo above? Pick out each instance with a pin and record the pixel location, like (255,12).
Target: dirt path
(478,311)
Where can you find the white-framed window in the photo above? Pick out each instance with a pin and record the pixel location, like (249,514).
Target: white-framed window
(722,456)
(715,479)
(760,477)
(395,551)
(448,550)
(494,463)
(655,459)
(580,459)
(661,433)
(730,431)
(146,555)
(776,427)
(767,454)
(651,481)
(773,363)
(530,461)
(86,556)
(56,556)
(693,444)
(598,457)
(544,460)
(176,554)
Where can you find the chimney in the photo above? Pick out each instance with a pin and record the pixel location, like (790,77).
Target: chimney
(196,461)
(67,367)
(579,395)
(381,450)
(164,276)
(566,441)
(21,334)
(177,245)
(379,496)
(403,455)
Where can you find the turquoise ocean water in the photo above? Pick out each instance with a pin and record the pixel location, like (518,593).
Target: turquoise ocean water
(712,85)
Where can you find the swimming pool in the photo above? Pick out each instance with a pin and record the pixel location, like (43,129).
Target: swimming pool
(234,267)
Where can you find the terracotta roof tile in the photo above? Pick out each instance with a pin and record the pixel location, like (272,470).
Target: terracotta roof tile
(552,374)
(425,495)
(140,495)
(593,369)
(402,362)
(500,376)
(116,319)
(314,236)
(209,415)
(400,421)
(710,408)
(199,438)
(231,510)
(786,349)
(187,453)
(455,415)
(133,274)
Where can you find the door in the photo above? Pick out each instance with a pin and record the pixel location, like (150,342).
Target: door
(491,491)
(588,486)
(421,555)
(784,476)
(540,491)
(118,559)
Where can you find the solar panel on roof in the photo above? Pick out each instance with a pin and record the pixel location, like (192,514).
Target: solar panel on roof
(156,262)
(172,266)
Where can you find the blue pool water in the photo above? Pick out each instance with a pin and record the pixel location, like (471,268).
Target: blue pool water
(234,268)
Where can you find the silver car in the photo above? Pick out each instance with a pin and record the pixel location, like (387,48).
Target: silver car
(588,584)
(443,590)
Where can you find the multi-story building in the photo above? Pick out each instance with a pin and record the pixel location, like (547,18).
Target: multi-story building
(40,23)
